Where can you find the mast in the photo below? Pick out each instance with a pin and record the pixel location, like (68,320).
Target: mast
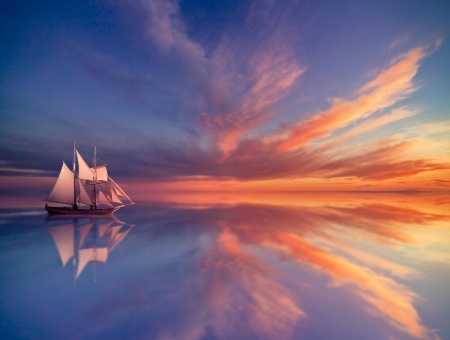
(95,176)
(74,188)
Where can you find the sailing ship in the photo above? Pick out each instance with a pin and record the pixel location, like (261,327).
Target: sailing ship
(87,241)
(88,191)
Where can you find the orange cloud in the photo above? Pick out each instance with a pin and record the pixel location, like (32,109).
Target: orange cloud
(292,155)
(389,87)
(370,124)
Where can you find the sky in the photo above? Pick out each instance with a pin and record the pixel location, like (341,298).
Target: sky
(228,95)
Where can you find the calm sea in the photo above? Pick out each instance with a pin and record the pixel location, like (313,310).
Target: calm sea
(231,266)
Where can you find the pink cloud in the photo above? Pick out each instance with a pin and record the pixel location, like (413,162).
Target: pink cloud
(270,76)
(242,87)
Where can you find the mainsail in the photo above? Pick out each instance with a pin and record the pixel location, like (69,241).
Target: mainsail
(84,196)
(63,191)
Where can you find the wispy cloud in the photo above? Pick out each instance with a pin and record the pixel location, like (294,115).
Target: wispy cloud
(238,92)
(370,124)
(390,86)
(167,30)
(26,171)
(269,77)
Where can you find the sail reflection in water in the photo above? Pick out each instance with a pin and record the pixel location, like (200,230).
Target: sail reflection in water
(86,240)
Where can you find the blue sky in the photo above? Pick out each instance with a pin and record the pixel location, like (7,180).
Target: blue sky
(169,89)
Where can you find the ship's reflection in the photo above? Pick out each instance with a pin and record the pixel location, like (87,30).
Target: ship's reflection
(85,240)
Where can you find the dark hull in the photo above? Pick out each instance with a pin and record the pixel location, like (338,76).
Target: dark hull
(71,211)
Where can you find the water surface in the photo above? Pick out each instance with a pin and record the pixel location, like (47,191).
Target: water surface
(231,266)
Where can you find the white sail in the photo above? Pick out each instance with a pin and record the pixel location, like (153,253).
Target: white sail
(64,238)
(101,198)
(119,191)
(111,193)
(84,232)
(84,256)
(84,171)
(109,189)
(63,191)
(84,196)
(113,197)
(102,173)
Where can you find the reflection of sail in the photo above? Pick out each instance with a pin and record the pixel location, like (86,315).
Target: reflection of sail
(95,240)
(84,231)
(64,237)
(103,228)
(84,256)
(90,255)
(119,237)
(112,234)
(99,255)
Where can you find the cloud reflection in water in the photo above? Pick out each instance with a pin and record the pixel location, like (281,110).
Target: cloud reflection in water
(297,267)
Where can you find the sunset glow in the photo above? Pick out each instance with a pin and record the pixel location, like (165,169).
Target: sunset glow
(232,96)
(281,169)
